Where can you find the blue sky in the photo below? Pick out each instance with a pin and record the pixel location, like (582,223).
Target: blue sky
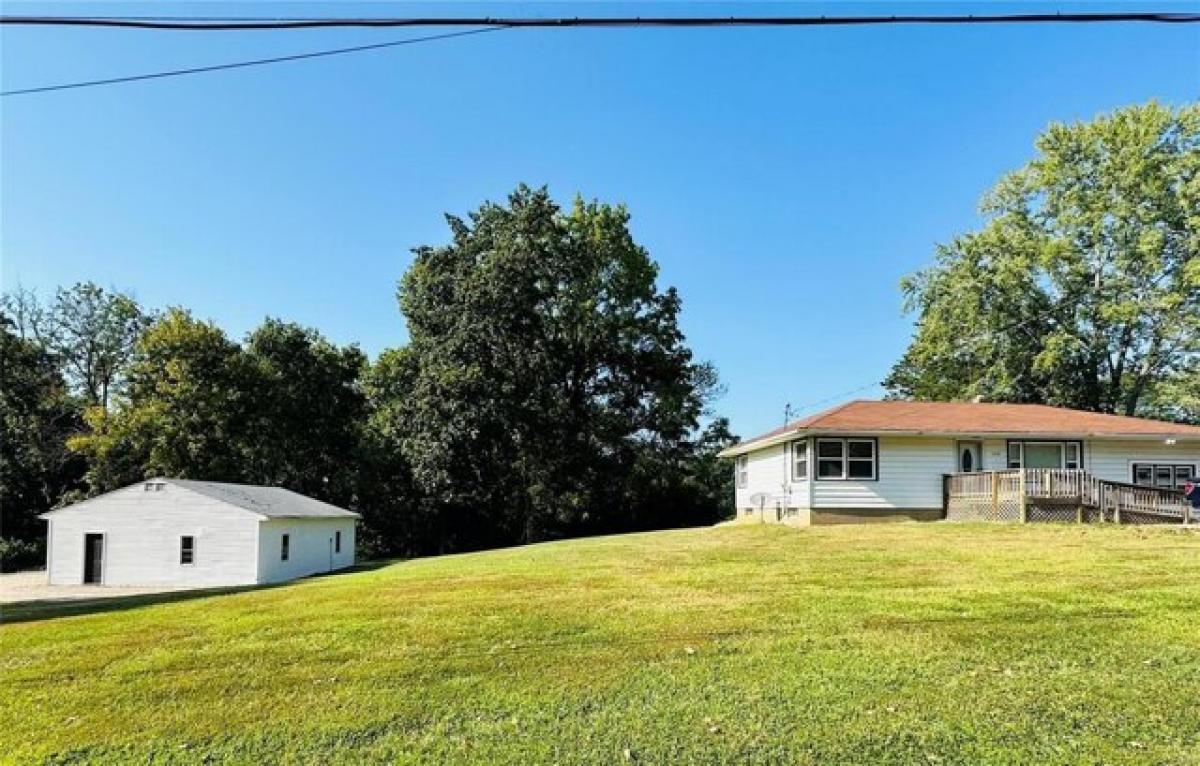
(784,179)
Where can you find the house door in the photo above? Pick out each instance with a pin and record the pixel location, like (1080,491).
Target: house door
(93,559)
(970,457)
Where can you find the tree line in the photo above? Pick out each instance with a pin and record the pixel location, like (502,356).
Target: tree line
(546,391)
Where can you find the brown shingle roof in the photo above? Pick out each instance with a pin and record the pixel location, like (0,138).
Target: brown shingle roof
(975,419)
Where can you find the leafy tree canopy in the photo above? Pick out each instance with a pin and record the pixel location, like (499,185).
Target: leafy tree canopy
(91,331)
(1082,288)
(37,414)
(546,363)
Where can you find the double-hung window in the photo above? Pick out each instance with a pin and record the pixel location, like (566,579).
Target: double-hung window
(742,471)
(846,459)
(187,550)
(800,460)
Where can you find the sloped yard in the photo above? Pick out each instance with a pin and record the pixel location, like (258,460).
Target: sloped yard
(914,643)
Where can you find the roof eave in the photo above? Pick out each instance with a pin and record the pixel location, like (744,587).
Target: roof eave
(754,446)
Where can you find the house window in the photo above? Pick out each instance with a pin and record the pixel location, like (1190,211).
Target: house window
(1045,454)
(1015,454)
(284,545)
(799,460)
(742,470)
(1071,458)
(187,549)
(831,459)
(861,457)
(846,459)
(337,541)
(1164,475)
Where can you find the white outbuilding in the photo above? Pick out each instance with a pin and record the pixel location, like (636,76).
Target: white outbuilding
(196,533)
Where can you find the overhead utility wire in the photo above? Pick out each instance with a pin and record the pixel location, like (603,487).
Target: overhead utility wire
(210,25)
(250,63)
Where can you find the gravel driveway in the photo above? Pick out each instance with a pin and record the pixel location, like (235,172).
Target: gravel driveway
(31,586)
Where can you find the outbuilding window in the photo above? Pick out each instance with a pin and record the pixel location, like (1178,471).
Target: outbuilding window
(284,545)
(337,541)
(187,549)
(799,460)
(842,459)
(742,471)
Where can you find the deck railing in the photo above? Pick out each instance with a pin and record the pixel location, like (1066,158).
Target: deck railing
(1031,494)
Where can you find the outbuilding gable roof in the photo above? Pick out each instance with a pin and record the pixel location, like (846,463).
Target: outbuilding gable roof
(267,502)
(969,418)
(272,502)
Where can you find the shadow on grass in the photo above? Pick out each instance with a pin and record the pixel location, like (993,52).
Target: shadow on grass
(49,609)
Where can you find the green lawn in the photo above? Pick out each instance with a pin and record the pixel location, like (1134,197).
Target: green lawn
(911,643)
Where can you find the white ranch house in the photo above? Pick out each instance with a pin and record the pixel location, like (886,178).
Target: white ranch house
(196,533)
(891,460)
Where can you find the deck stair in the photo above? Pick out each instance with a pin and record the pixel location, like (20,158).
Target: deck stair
(1051,494)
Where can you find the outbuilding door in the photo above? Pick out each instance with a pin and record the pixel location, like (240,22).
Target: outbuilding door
(93,558)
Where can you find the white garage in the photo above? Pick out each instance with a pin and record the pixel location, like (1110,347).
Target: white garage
(202,533)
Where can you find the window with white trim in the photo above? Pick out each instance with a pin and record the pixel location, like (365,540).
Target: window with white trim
(1071,456)
(1016,454)
(1164,475)
(1040,453)
(800,460)
(285,544)
(337,541)
(742,470)
(187,550)
(846,459)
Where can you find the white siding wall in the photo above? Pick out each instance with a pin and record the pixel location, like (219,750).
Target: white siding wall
(770,473)
(995,455)
(910,476)
(1114,460)
(310,547)
(141,539)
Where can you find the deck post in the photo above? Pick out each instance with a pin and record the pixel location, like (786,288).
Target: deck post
(1117,506)
(945,495)
(995,494)
(1022,491)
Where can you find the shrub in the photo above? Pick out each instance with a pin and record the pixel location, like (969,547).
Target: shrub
(20,554)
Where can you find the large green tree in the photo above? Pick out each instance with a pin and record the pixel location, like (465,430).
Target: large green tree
(398,517)
(187,410)
(1082,288)
(546,362)
(91,332)
(37,415)
(307,410)
(286,409)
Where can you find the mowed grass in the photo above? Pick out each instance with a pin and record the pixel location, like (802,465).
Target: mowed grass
(914,643)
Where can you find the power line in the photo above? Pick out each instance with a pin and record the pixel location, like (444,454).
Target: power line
(216,24)
(243,64)
(960,345)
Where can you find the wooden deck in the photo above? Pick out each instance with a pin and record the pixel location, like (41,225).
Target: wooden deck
(1042,494)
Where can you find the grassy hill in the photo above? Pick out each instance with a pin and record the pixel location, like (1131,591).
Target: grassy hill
(899,644)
